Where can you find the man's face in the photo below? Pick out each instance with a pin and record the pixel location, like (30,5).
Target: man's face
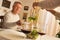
(17,8)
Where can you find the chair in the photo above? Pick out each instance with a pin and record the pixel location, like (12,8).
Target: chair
(2,19)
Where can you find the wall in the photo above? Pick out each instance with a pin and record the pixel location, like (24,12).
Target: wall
(24,3)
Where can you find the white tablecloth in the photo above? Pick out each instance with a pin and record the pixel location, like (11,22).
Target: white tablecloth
(8,34)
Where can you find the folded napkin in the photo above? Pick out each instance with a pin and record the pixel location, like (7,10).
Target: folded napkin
(46,37)
(12,34)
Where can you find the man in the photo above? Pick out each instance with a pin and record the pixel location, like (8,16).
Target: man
(11,19)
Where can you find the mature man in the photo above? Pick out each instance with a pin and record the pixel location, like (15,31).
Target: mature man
(11,19)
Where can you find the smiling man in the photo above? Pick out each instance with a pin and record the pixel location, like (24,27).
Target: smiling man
(12,19)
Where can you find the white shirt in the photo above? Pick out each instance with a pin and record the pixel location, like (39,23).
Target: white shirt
(10,20)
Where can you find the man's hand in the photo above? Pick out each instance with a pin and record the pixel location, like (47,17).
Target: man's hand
(18,23)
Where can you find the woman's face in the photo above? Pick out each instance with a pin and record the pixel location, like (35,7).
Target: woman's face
(17,8)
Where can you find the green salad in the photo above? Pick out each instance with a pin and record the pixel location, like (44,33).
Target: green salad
(34,34)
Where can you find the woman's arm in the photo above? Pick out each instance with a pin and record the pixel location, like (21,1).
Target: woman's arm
(57,14)
(47,4)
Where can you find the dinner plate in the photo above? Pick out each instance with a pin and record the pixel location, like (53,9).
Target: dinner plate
(26,32)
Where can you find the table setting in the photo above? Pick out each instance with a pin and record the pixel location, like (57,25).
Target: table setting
(16,35)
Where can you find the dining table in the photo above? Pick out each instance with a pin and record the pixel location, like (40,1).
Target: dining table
(9,34)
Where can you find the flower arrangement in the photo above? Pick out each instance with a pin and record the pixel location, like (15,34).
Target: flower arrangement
(32,18)
(33,22)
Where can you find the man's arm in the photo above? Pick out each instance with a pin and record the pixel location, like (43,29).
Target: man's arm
(7,22)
